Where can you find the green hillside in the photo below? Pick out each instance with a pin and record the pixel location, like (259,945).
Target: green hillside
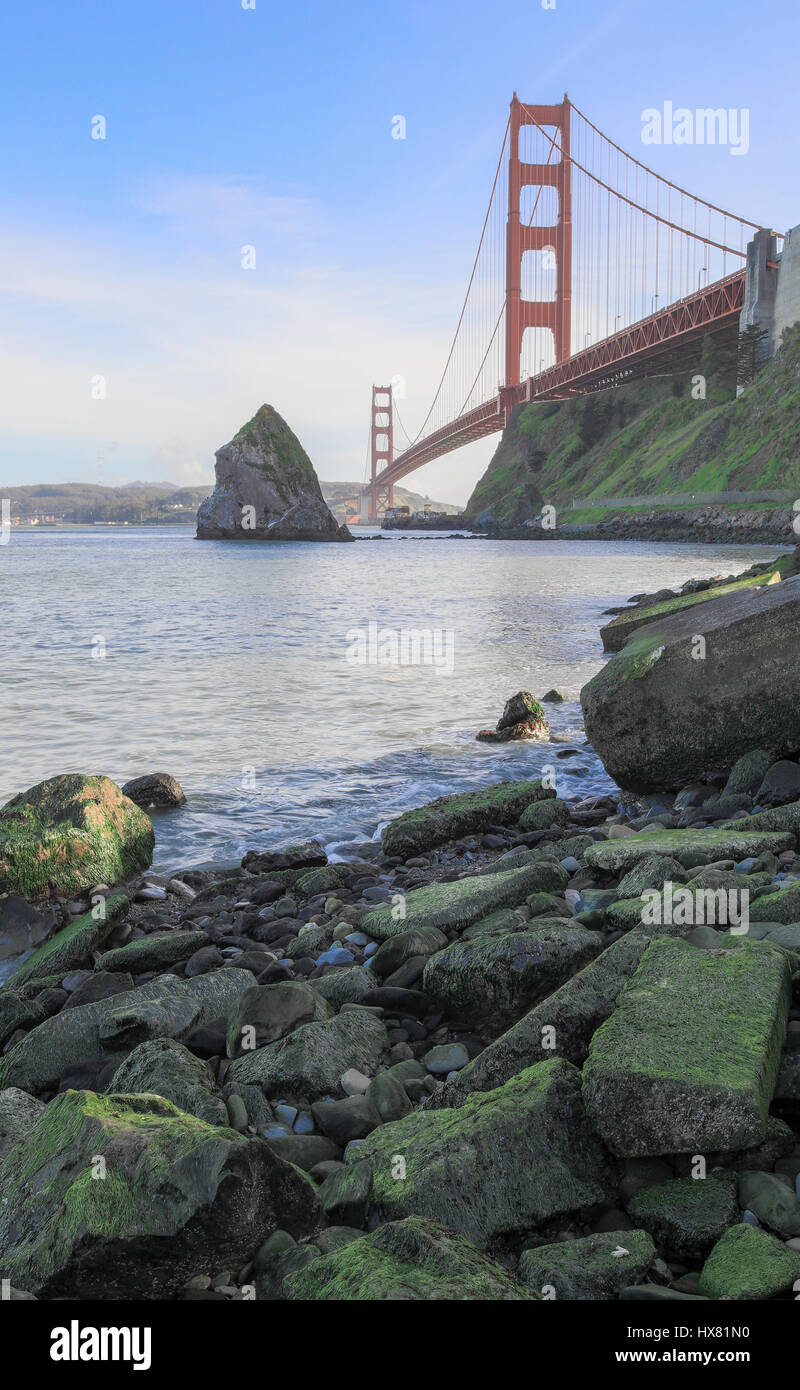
(650,437)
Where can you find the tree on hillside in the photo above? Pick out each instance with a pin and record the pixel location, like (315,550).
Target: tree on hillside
(752,353)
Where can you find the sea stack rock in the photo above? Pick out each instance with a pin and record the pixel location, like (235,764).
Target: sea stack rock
(266,489)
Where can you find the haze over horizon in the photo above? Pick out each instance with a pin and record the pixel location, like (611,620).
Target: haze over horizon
(229,128)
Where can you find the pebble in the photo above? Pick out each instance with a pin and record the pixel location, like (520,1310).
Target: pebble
(304,1124)
(149,893)
(357,938)
(448,1057)
(337,955)
(353,1082)
(287,1114)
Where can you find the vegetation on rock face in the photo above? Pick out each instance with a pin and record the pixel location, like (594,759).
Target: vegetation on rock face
(651,436)
(68,833)
(282,457)
(419,830)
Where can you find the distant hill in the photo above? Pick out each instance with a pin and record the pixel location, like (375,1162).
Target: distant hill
(343,500)
(91,502)
(146,503)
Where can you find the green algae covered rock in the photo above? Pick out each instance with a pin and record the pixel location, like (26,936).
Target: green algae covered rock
(467,813)
(540,815)
(125,1196)
(72,946)
(748,1263)
(164,1067)
(156,951)
(783,906)
(700,846)
(506,1160)
(406,1260)
(651,871)
(465,901)
(688,1060)
(494,979)
(686,1216)
(69,833)
(596,1267)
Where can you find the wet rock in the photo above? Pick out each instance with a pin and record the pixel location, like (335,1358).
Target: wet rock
(22,927)
(19,1112)
(342,1120)
(155,791)
(73,945)
(522,718)
(265,1013)
(772,1200)
(307,855)
(158,951)
(689,847)
(466,901)
(451,817)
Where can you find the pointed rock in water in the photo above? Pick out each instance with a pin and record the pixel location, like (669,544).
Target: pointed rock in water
(173,1189)
(405,1260)
(67,834)
(155,791)
(522,717)
(505,1160)
(266,489)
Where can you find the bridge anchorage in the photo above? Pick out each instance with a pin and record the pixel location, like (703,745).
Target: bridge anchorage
(591,269)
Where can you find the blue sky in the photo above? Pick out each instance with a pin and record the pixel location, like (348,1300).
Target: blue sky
(272,127)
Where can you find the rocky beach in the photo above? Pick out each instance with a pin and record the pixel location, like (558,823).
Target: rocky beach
(523,1045)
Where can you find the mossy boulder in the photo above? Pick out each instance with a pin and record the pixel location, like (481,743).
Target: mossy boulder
(164,1067)
(451,817)
(109,1029)
(686,1216)
(783,906)
(405,1260)
(495,979)
(748,1263)
(19,1112)
(651,871)
(266,489)
(125,1196)
(688,1060)
(593,1268)
(308,1064)
(544,814)
(66,834)
(507,1160)
(72,946)
(522,718)
(466,901)
(689,847)
(658,717)
(157,951)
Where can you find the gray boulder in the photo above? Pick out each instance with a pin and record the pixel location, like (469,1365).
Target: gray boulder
(266,489)
(164,1067)
(657,716)
(309,1063)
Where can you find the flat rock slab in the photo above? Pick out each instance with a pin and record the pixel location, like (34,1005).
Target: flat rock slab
(688,1060)
(406,1260)
(594,1268)
(495,979)
(506,1160)
(156,951)
(463,902)
(618,856)
(450,817)
(175,1190)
